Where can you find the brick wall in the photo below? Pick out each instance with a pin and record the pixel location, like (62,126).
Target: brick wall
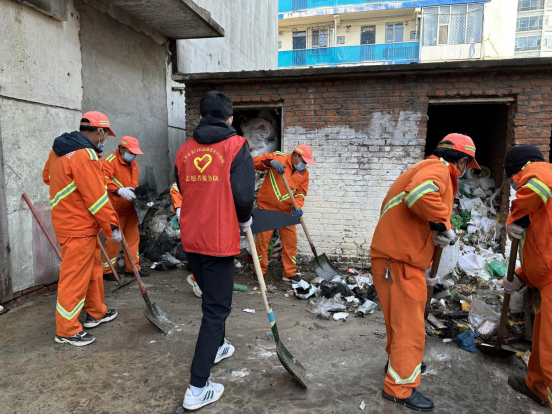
(365,130)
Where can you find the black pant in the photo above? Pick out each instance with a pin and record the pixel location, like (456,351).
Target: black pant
(215,276)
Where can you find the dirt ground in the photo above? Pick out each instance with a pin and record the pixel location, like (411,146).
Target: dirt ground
(133,368)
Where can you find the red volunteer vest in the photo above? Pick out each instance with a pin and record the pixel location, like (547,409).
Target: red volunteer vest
(209,224)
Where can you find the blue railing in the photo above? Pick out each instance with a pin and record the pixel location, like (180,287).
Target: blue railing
(286,6)
(386,53)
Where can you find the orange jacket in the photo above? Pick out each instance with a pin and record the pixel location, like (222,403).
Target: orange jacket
(272,194)
(422,194)
(119,174)
(176,197)
(533,198)
(79,202)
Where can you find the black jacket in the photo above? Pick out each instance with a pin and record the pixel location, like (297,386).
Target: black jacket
(242,172)
(68,142)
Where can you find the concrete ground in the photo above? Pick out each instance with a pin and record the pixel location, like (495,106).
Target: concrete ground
(133,368)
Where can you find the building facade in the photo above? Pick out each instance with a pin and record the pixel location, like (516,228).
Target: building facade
(353,32)
(61,58)
(533,29)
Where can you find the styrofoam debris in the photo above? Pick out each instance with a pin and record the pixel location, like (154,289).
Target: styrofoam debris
(248,310)
(362,406)
(340,316)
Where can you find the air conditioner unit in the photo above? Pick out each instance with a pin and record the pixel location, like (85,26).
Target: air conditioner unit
(281,33)
(279,45)
(341,40)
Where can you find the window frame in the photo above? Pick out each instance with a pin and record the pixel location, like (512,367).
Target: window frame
(394,26)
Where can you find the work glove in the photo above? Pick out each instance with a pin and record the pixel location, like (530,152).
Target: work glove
(178,215)
(127,193)
(515,231)
(514,285)
(442,239)
(278,166)
(431,281)
(245,225)
(116,235)
(297,213)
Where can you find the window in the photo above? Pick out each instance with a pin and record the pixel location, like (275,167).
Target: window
(298,40)
(524,43)
(279,44)
(527,23)
(547,42)
(319,38)
(394,32)
(452,25)
(368,35)
(55,8)
(525,5)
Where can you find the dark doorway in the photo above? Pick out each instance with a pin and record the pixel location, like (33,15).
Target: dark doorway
(486,124)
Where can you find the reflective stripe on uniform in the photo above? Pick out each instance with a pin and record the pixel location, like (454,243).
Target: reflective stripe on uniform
(112,260)
(138,255)
(175,186)
(540,188)
(110,158)
(274,184)
(63,193)
(398,380)
(92,154)
(394,201)
(443,161)
(300,195)
(521,246)
(420,191)
(549,395)
(294,259)
(280,153)
(260,257)
(98,204)
(69,315)
(467,147)
(117,182)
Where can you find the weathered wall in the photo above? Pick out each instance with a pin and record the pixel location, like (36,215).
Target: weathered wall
(366,130)
(124,76)
(40,97)
(500,18)
(250,42)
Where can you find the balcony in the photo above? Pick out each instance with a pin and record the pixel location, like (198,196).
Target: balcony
(288,6)
(389,53)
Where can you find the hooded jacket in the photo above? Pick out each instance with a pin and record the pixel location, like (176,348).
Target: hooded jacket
(79,201)
(216,178)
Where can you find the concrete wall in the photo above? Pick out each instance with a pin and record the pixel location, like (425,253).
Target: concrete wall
(500,18)
(40,97)
(124,76)
(366,130)
(250,41)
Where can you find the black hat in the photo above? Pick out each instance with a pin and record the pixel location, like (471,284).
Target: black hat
(517,157)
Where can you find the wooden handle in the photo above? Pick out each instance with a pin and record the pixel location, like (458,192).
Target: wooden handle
(111,267)
(41,224)
(260,278)
(507,297)
(433,272)
(311,244)
(135,271)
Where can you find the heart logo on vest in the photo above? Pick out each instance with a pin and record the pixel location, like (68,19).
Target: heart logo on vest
(206,158)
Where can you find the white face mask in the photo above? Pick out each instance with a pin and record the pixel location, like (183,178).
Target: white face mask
(128,157)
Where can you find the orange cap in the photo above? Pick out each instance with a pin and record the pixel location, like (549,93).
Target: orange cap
(306,153)
(462,143)
(132,144)
(97,119)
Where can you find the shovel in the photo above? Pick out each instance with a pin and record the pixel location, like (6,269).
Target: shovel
(120,283)
(293,367)
(499,349)
(156,315)
(320,264)
(433,272)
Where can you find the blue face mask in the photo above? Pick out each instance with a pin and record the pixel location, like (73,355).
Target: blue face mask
(301,166)
(128,157)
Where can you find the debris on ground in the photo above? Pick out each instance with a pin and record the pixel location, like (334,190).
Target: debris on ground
(362,406)
(248,310)
(465,340)
(303,289)
(240,287)
(524,356)
(340,316)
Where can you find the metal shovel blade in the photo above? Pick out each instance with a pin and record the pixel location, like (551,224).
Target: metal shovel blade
(289,362)
(160,318)
(323,267)
(501,351)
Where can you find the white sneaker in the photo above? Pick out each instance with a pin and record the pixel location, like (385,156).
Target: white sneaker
(226,350)
(195,286)
(211,393)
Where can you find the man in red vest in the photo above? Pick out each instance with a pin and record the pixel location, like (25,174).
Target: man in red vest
(216,178)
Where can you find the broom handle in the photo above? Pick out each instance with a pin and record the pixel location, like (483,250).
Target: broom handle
(41,224)
(507,297)
(311,244)
(111,267)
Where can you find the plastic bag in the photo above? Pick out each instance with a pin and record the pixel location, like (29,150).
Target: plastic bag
(303,289)
(497,269)
(465,340)
(483,318)
(367,307)
(324,306)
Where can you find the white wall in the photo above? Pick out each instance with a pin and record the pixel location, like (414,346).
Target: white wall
(250,41)
(500,18)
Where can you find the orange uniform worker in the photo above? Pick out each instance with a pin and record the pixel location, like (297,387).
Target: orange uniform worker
(530,222)
(121,174)
(415,217)
(176,198)
(80,209)
(273,196)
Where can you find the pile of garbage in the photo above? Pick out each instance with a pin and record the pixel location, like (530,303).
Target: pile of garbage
(341,295)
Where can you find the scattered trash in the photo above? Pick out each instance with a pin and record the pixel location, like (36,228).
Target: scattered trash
(238,287)
(483,318)
(524,356)
(331,288)
(447,340)
(352,271)
(269,335)
(362,406)
(303,289)
(240,373)
(465,306)
(248,310)
(368,307)
(497,269)
(340,316)
(465,340)
(324,306)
